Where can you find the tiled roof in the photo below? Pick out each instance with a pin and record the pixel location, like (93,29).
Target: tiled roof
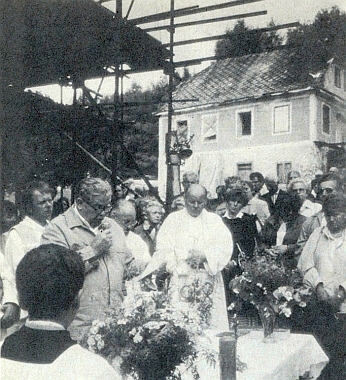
(241,78)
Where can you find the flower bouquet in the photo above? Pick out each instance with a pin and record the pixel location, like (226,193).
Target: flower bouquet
(273,290)
(147,340)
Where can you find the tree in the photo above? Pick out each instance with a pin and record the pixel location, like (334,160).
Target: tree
(140,131)
(242,40)
(318,42)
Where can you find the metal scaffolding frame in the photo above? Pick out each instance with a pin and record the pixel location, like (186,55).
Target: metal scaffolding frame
(168,65)
(173,169)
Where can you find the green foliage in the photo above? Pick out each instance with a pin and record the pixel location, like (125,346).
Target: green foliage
(140,132)
(318,42)
(242,40)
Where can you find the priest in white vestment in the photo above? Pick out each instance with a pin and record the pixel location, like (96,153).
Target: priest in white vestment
(194,244)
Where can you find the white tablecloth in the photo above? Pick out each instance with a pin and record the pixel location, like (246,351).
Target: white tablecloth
(286,359)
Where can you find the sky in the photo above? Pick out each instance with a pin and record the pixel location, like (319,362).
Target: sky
(280,11)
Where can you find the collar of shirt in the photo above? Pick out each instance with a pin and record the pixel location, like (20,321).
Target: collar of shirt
(275,196)
(44,325)
(85,222)
(239,215)
(34,225)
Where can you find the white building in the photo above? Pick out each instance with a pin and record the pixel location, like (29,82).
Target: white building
(251,114)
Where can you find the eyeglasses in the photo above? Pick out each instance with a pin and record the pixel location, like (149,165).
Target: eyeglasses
(301,190)
(327,190)
(99,209)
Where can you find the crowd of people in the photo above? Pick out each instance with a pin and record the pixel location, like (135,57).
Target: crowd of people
(64,266)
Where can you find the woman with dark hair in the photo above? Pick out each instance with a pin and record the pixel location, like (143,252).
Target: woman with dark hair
(242,225)
(244,233)
(289,231)
(49,279)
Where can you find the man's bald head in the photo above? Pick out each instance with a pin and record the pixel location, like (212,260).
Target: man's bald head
(195,199)
(124,212)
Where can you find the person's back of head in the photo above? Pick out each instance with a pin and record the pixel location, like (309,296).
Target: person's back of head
(189,178)
(257,175)
(48,280)
(124,213)
(291,205)
(271,181)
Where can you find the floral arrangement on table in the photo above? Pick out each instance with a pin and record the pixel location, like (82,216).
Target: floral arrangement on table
(148,340)
(273,290)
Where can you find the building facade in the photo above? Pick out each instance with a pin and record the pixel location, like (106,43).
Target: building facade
(250,115)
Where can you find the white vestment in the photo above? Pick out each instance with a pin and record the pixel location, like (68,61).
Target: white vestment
(179,235)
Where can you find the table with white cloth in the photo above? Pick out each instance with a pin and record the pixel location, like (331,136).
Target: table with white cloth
(287,358)
(284,359)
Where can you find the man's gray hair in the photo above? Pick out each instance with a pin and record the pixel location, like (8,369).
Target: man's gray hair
(89,187)
(152,203)
(297,180)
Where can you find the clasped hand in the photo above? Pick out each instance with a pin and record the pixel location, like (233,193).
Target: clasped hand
(196,258)
(103,240)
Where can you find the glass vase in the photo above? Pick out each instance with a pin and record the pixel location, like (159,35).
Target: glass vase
(267,316)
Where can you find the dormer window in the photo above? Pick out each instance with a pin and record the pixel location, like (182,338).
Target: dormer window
(337,76)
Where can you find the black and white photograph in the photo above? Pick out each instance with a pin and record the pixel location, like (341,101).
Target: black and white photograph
(173,190)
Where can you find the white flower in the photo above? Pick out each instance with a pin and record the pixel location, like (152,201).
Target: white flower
(288,295)
(133,331)
(94,330)
(91,341)
(98,337)
(259,285)
(122,322)
(137,338)
(100,344)
(287,311)
(302,304)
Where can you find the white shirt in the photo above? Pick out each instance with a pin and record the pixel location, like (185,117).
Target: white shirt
(8,282)
(309,208)
(76,363)
(137,247)
(324,260)
(23,237)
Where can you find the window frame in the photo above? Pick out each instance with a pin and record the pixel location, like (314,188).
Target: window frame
(180,120)
(205,116)
(239,125)
(250,164)
(324,105)
(289,131)
(337,76)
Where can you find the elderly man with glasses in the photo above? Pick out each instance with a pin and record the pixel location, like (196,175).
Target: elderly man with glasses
(330,184)
(299,187)
(100,241)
